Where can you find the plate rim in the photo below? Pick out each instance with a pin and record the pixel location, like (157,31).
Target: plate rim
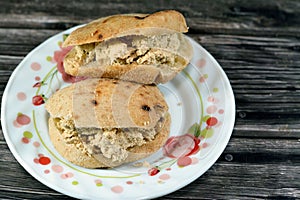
(38,177)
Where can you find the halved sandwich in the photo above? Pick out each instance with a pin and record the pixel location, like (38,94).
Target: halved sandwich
(144,48)
(100,123)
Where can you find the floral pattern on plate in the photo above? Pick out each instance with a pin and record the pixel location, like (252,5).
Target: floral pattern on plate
(200,99)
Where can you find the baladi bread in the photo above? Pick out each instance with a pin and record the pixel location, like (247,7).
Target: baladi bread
(127,24)
(83,109)
(135,47)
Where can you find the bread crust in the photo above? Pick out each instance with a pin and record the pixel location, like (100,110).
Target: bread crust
(108,103)
(128,24)
(81,60)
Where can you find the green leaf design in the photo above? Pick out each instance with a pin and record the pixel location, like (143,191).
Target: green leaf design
(195,130)
(205,118)
(65,36)
(166,164)
(207,133)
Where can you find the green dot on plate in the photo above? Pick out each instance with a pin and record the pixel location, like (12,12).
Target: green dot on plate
(215,90)
(27,134)
(49,58)
(204,119)
(207,133)
(75,183)
(99,184)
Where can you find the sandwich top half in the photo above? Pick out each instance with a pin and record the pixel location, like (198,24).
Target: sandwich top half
(144,48)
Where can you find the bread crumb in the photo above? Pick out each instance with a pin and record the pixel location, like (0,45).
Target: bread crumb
(138,164)
(142,164)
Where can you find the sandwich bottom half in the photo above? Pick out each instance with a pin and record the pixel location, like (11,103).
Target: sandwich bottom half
(105,148)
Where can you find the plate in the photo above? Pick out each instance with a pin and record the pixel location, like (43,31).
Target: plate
(202,109)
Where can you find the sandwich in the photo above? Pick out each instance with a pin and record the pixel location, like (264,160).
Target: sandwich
(103,123)
(144,48)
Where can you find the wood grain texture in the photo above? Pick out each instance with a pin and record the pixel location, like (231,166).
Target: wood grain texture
(257,43)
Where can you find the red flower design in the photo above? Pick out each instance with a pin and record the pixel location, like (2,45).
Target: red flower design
(181,146)
(153,171)
(37,84)
(37,100)
(59,58)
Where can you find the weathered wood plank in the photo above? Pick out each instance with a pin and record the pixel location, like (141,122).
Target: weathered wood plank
(279,147)
(9,63)
(251,182)
(18,36)
(223,16)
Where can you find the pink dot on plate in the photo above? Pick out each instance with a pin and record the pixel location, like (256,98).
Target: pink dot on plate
(70,174)
(57,168)
(211,109)
(210,99)
(184,161)
(195,160)
(40,155)
(47,171)
(98,181)
(67,175)
(21,96)
(164,177)
(36,160)
(201,62)
(218,124)
(117,189)
(202,79)
(35,66)
(129,182)
(63,176)
(221,111)
(204,145)
(16,124)
(37,78)
(23,119)
(36,144)
(216,101)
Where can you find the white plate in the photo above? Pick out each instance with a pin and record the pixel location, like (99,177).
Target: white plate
(199,97)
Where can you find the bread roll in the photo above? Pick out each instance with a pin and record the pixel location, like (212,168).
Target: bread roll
(144,48)
(99,123)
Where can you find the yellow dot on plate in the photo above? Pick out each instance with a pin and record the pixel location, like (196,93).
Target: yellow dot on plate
(75,183)
(49,58)
(99,184)
(215,90)
(27,134)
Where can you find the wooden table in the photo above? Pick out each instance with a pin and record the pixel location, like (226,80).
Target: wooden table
(258,45)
